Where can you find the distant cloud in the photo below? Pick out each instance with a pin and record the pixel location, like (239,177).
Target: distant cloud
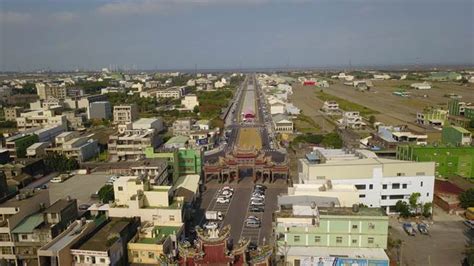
(64,16)
(11,17)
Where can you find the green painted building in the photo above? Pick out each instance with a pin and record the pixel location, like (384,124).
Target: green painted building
(456,136)
(432,116)
(469,112)
(17,145)
(454,107)
(332,227)
(182,161)
(450,160)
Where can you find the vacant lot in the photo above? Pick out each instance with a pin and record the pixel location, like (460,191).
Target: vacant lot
(345,104)
(400,110)
(250,138)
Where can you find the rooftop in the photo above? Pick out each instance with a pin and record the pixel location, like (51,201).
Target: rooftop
(98,241)
(327,252)
(177,140)
(29,224)
(31,196)
(59,205)
(158,234)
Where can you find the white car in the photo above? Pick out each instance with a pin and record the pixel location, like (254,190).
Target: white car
(211,225)
(227,188)
(223,200)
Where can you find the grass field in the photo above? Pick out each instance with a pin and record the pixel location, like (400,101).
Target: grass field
(249,138)
(305,124)
(345,104)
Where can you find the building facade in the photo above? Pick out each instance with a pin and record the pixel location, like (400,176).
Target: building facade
(124,114)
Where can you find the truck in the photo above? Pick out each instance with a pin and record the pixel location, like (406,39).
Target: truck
(214,216)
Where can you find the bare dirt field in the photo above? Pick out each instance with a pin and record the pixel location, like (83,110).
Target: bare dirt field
(400,110)
(249,138)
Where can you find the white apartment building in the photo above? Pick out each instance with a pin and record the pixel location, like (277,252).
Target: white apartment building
(40,118)
(189,102)
(282,124)
(137,197)
(380,182)
(330,107)
(149,123)
(131,143)
(45,91)
(124,114)
(172,92)
(352,120)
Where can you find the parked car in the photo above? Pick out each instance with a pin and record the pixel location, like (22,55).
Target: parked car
(211,225)
(258,186)
(252,223)
(60,178)
(256,209)
(409,229)
(84,207)
(257,203)
(223,200)
(423,228)
(252,217)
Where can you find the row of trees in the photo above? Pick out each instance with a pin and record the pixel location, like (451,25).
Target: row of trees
(413,207)
(331,140)
(60,163)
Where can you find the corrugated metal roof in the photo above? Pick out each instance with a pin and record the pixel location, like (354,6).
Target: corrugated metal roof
(29,224)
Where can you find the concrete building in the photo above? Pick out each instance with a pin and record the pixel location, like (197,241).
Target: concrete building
(282,123)
(176,142)
(456,136)
(71,145)
(12,214)
(86,101)
(449,160)
(124,114)
(137,197)
(352,120)
(50,90)
(37,150)
(182,127)
(17,145)
(11,113)
(389,137)
(107,246)
(155,123)
(432,117)
(380,182)
(310,232)
(182,161)
(40,118)
(172,92)
(131,143)
(421,86)
(330,107)
(99,110)
(189,102)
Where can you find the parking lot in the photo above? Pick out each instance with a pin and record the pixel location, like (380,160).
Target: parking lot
(239,204)
(444,245)
(79,187)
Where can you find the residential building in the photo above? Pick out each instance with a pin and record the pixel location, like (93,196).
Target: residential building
(37,150)
(99,110)
(282,123)
(47,134)
(155,170)
(352,120)
(136,197)
(172,92)
(40,118)
(456,136)
(277,107)
(176,142)
(389,137)
(432,117)
(182,127)
(17,145)
(421,86)
(125,113)
(12,213)
(330,107)
(202,125)
(449,160)
(20,172)
(189,102)
(11,113)
(86,101)
(75,120)
(51,90)
(380,182)
(131,143)
(152,242)
(107,246)
(155,123)
(310,232)
(71,145)
(182,161)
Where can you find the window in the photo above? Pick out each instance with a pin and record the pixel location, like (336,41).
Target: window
(362,196)
(404,186)
(102,260)
(421,184)
(317,239)
(371,186)
(24,237)
(296,238)
(54,216)
(396,186)
(151,255)
(339,239)
(384,197)
(420,173)
(400,174)
(384,186)
(354,226)
(396,196)
(120,188)
(427,194)
(360,187)
(135,254)
(354,241)
(371,240)
(371,226)
(172,218)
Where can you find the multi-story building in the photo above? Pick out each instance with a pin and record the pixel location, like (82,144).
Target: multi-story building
(389,137)
(99,110)
(11,113)
(352,120)
(86,101)
(311,232)
(107,246)
(72,145)
(131,143)
(12,213)
(432,117)
(124,114)
(282,123)
(330,107)
(189,102)
(449,160)
(155,170)
(380,182)
(40,118)
(456,136)
(51,90)
(182,126)
(155,123)
(136,197)
(17,145)
(172,92)
(182,161)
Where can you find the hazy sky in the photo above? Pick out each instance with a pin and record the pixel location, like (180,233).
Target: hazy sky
(65,34)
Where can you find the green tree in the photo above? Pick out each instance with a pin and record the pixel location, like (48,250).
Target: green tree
(332,140)
(471,124)
(106,193)
(196,109)
(413,200)
(467,198)
(60,163)
(402,208)
(427,209)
